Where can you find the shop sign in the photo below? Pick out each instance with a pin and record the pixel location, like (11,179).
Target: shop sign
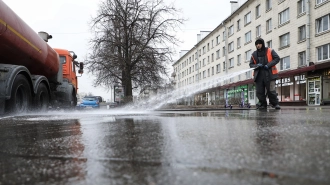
(300,79)
(284,82)
(314,79)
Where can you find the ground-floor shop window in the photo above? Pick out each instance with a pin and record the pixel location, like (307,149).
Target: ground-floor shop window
(290,89)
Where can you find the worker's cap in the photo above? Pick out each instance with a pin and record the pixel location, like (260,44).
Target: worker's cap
(258,42)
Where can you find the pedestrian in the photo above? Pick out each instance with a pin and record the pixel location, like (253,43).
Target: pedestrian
(264,61)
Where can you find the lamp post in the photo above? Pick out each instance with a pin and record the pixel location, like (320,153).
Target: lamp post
(114,91)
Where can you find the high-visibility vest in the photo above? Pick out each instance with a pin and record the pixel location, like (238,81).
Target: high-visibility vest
(269,58)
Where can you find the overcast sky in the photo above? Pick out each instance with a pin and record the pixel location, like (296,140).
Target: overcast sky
(68,22)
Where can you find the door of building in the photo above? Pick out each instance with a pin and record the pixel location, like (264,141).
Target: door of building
(314,89)
(252,94)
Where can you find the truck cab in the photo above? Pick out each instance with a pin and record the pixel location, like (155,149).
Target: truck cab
(69,64)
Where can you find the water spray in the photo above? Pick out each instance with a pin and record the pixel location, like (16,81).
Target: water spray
(162,99)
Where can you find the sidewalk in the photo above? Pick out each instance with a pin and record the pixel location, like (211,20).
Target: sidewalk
(234,107)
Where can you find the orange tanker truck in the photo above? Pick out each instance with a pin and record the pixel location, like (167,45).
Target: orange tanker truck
(33,76)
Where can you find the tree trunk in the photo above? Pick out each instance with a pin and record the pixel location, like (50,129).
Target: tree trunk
(127,83)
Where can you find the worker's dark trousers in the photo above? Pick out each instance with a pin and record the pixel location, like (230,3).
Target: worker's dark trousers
(261,86)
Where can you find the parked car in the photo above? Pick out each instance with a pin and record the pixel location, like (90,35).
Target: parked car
(89,102)
(113,104)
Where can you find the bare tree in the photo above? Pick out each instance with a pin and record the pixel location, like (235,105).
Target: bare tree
(133,43)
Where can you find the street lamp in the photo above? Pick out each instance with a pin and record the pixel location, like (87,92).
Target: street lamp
(114,91)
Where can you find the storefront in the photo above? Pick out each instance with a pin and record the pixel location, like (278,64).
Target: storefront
(314,90)
(326,87)
(291,89)
(236,94)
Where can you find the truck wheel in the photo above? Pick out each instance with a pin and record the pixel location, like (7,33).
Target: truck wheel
(41,100)
(20,99)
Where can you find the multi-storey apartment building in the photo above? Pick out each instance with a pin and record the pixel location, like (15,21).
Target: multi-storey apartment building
(217,67)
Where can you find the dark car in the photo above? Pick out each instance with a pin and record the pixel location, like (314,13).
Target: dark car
(113,104)
(89,102)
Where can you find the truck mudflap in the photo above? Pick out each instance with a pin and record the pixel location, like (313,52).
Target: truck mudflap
(65,96)
(2,105)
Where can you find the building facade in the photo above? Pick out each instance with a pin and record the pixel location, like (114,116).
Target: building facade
(216,70)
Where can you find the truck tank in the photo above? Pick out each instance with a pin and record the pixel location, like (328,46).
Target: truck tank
(20,45)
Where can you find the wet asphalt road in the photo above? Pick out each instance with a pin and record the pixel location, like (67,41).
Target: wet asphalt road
(289,146)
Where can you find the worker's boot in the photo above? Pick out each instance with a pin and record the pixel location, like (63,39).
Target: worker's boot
(277,106)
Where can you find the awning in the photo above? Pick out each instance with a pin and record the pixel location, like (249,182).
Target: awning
(293,72)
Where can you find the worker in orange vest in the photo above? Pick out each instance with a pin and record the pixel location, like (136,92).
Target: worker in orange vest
(264,61)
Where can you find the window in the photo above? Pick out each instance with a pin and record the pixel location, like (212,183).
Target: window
(239,59)
(302,58)
(269,44)
(204,62)
(223,35)
(248,37)
(218,68)
(204,50)
(62,59)
(248,75)
(285,40)
(231,30)
(204,74)
(212,44)
(208,59)
(218,39)
(268,4)
(212,70)
(196,66)
(247,18)
(217,53)
(239,24)
(231,62)
(258,31)
(208,46)
(258,11)
(323,52)
(284,16)
(301,6)
(320,1)
(268,25)
(322,24)
(212,57)
(248,55)
(302,33)
(224,66)
(208,72)
(238,42)
(231,47)
(223,51)
(285,63)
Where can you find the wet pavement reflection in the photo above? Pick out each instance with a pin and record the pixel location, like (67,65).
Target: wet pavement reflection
(287,146)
